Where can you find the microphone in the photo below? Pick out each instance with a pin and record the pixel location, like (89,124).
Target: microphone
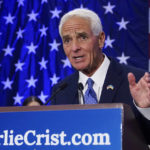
(61,87)
(80,87)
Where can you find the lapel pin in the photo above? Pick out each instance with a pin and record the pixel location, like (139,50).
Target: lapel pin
(110,87)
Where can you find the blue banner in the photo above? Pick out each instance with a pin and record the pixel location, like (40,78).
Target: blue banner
(93,129)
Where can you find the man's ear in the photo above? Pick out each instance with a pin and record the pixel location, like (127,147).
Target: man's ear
(101,40)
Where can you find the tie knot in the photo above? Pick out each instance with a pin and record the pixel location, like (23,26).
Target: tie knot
(90,82)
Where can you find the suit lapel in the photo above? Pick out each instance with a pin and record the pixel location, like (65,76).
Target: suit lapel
(112,82)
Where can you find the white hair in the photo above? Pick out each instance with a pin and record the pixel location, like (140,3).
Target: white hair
(95,21)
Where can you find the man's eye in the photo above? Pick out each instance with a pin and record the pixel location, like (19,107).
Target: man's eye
(83,37)
(66,41)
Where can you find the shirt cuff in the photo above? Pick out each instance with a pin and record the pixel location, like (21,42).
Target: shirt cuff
(144,111)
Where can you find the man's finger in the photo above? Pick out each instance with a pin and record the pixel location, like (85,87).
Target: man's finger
(131,79)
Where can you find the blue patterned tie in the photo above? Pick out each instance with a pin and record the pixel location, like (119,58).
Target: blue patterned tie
(90,95)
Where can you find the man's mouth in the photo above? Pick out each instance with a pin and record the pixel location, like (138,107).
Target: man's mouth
(77,57)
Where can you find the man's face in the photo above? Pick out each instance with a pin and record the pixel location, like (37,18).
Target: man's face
(81,46)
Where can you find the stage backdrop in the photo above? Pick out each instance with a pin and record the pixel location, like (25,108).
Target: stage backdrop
(31,53)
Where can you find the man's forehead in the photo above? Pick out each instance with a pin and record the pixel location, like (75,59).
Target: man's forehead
(75,27)
(75,30)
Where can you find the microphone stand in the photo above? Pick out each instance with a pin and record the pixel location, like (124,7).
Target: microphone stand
(61,87)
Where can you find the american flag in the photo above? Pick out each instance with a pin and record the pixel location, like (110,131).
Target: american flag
(32,59)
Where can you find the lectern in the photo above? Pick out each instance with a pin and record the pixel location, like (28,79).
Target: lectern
(70,127)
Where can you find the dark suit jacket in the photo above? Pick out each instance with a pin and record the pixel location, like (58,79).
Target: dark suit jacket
(116,76)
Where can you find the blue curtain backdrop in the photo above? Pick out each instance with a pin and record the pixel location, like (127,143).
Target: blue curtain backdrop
(31,53)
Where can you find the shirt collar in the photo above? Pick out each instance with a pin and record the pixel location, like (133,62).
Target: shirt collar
(99,76)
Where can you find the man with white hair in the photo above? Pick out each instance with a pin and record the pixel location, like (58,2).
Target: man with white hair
(103,79)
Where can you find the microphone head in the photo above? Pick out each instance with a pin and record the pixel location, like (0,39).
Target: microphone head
(80,86)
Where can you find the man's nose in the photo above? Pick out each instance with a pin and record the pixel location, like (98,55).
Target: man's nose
(75,45)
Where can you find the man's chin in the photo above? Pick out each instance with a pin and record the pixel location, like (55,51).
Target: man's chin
(80,68)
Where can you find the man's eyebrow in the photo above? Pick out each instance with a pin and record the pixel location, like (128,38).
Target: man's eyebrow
(82,33)
(65,36)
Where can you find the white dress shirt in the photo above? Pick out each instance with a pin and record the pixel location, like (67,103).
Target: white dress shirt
(144,111)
